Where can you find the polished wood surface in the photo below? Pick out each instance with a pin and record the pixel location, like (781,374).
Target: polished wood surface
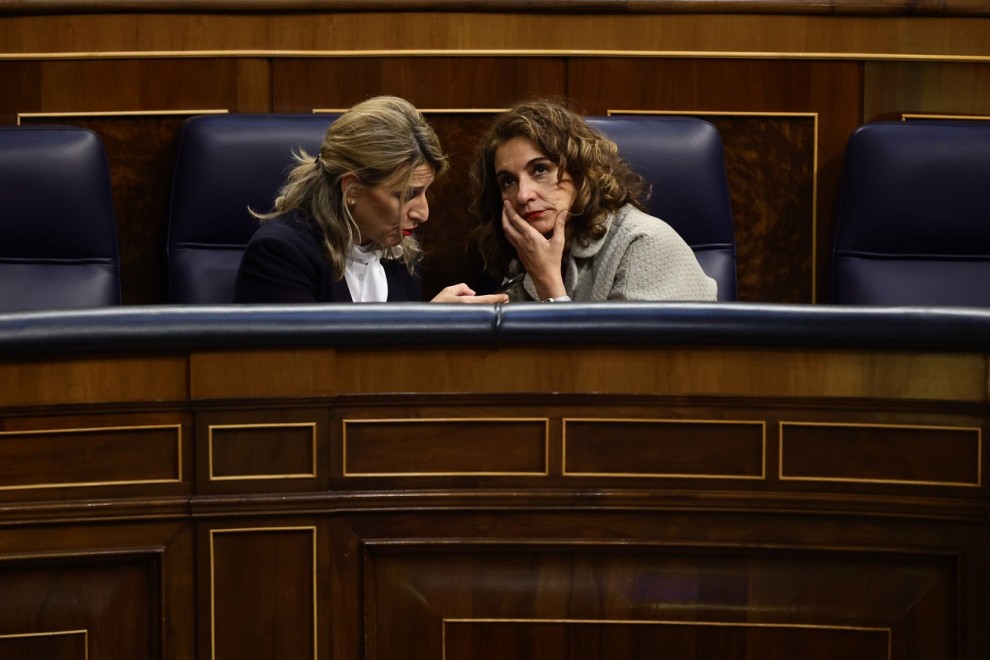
(557,502)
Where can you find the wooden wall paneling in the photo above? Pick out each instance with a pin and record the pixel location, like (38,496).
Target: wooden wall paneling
(895,88)
(112,379)
(263,450)
(680,371)
(20,82)
(629,30)
(782,172)
(93,454)
(127,587)
(260,597)
(95,85)
(803,589)
(446,83)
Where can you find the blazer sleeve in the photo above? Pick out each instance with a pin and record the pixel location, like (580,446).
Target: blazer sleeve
(277,269)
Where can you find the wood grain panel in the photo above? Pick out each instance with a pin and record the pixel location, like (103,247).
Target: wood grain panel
(667,371)
(113,603)
(421,447)
(664,448)
(90,457)
(59,645)
(604,640)
(262,451)
(118,379)
(893,88)
(883,454)
(755,603)
(307,373)
(446,83)
(292,33)
(273,614)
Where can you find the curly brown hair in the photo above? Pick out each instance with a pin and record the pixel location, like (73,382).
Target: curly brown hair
(604,181)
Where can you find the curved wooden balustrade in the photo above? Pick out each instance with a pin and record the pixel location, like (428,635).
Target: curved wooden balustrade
(528,481)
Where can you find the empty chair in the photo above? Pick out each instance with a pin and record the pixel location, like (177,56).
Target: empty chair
(58,240)
(913,221)
(223,165)
(682,158)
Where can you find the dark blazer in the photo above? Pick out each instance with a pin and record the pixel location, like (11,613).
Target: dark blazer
(284,262)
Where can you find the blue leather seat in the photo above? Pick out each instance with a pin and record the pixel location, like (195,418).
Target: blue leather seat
(223,165)
(58,240)
(913,220)
(682,158)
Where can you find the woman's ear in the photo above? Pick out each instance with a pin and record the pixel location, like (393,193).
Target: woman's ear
(350,188)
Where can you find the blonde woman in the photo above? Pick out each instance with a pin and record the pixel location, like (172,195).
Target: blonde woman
(342,226)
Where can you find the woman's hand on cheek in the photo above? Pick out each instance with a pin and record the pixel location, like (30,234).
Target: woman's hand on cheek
(462,293)
(540,256)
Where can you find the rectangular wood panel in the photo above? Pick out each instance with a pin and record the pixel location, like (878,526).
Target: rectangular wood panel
(878,453)
(263,593)
(445,447)
(664,448)
(262,451)
(124,455)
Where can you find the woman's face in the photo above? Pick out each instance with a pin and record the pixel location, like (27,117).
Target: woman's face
(528,179)
(388,212)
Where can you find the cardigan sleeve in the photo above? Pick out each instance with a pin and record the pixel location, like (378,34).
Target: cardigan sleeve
(659,265)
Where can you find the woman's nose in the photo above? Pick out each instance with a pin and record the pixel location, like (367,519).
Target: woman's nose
(525,190)
(419,209)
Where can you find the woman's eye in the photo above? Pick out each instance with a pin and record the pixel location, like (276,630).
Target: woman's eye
(506,182)
(540,169)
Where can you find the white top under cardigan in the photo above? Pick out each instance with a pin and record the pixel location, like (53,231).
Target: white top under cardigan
(640,257)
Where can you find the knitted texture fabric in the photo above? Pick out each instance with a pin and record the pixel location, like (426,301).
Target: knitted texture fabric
(639,258)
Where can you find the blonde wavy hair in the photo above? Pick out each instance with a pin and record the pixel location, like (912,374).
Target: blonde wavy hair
(374,140)
(604,181)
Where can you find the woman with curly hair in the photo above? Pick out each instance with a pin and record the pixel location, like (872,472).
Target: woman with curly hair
(343,223)
(561,216)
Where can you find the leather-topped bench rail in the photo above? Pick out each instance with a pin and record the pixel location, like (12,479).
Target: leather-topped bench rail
(130,329)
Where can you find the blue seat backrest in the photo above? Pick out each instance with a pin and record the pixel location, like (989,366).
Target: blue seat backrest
(913,220)
(225,164)
(683,160)
(58,239)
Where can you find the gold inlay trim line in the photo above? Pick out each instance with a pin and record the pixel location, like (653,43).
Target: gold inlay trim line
(54,633)
(914,482)
(115,482)
(247,530)
(917,115)
(447,420)
(640,475)
(491,52)
(431,111)
(244,477)
(117,113)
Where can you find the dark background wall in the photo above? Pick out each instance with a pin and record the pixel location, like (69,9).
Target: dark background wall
(784,82)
